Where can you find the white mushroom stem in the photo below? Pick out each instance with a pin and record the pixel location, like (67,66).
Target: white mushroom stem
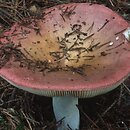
(66,112)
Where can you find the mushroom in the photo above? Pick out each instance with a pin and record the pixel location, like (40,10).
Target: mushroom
(71,51)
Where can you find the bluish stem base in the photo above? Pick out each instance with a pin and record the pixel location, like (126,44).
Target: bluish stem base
(66,112)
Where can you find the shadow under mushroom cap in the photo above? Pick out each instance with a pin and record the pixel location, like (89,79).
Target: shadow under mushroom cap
(74,48)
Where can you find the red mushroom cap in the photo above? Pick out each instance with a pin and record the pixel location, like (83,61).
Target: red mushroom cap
(74,49)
